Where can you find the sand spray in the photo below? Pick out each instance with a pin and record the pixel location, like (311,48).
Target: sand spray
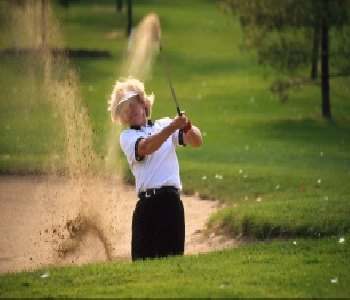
(81,192)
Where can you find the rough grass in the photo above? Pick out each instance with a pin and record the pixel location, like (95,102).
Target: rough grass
(301,268)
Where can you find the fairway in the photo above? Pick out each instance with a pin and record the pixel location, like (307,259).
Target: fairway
(270,182)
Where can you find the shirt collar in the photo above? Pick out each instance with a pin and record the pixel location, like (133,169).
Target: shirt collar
(138,127)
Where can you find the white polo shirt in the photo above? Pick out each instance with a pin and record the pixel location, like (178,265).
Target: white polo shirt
(159,168)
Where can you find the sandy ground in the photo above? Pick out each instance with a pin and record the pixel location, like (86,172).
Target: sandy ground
(39,224)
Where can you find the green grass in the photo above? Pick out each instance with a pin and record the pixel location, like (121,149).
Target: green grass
(250,139)
(278,269)
(261,157)
(28,124)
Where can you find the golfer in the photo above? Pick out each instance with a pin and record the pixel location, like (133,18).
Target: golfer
(158,224)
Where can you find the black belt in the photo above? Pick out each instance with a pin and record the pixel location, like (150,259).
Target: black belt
(153,192)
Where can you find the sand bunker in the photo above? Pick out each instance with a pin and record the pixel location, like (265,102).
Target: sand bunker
(40,225)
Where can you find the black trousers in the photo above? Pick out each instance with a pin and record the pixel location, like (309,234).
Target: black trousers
(158,226)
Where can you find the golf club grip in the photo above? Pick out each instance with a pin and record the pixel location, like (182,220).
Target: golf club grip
(178,111)
(189,124)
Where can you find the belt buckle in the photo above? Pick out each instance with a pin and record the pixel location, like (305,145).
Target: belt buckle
(149,195)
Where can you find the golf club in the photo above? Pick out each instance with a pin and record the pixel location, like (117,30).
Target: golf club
(167,74)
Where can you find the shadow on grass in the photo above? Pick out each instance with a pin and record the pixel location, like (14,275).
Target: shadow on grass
(67,52)
(181,64)
(307,130)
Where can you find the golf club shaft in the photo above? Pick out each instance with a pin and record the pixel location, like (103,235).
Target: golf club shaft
(166,71)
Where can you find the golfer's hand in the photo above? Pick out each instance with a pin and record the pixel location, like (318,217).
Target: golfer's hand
(188,126)
(179,122)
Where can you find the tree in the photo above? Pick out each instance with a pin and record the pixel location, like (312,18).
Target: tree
(291,34)
(326,109)
(118,5)
(129,25)
(64,3)
(44,23)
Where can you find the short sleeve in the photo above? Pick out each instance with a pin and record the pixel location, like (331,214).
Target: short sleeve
(178,136)
(128,143)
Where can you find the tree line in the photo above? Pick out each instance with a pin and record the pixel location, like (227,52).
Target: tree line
(295,35)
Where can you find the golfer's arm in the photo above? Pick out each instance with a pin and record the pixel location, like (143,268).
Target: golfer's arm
(149,145)
(193,137)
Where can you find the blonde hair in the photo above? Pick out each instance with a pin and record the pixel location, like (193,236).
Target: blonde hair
(124,86)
